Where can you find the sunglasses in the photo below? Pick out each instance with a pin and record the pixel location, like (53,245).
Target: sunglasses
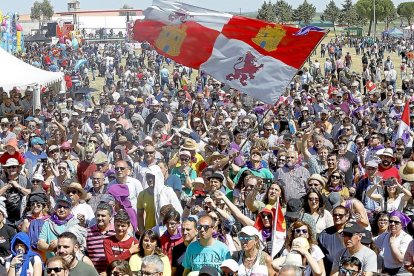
(347,272)
(149,152)
(396,222)
(36,181)
(313,199)
(73,192)
(335,177)
(185,159)
(62,206)
(11,167)
(36,204)
(55,269)
(266,216)
(338,215)
(120,168)
(246,238)
(348,235)
(205,227)
(300,231)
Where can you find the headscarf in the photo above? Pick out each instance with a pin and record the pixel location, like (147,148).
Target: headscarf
(121,192)
(405,220)
(28,255)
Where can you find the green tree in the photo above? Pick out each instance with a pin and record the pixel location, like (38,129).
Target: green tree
(406,11)
(349,15)
(283,11)
(383,9)
(41,11)
(305,12)
(267,12)
(127,7)
(331,13)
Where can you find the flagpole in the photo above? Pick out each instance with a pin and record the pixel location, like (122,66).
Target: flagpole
(274,228)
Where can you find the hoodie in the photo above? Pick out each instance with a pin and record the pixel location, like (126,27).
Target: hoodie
(28,256)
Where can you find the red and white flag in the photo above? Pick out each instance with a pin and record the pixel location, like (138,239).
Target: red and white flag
(256,57)
(403,131)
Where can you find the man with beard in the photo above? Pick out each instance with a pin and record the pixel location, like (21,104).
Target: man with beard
(347,161)
(385,168)
(96,235)
(330,240)
(60,220)
(352,234)
(200,252)
(155,114)
(375,144)
(87,166)
(67,247)
(118,111)
(189,231)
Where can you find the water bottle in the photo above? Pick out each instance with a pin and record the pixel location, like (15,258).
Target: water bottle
(18,265)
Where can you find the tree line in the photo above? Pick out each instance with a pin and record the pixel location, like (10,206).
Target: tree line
(349,14)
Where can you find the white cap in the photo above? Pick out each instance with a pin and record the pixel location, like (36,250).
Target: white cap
(38,176)
(231,264)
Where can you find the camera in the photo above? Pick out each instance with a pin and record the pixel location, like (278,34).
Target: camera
(388,182)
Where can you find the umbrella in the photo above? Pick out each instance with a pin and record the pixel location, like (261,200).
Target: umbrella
(79,63)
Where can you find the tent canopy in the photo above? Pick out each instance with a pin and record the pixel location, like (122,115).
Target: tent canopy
(17,73)
(394,32)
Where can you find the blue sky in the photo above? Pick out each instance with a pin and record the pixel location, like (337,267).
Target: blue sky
(23,6)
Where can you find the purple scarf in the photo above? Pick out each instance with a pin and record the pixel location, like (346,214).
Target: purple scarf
(335,189)
(58,221)
(266,233)
(218,236)
(175,237)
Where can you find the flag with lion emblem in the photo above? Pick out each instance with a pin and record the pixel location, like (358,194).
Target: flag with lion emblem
(256,57)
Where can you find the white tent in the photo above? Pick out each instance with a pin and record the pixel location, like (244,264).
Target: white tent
(17,73)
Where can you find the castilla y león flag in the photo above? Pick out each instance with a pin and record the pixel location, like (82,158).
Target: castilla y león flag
(257,57)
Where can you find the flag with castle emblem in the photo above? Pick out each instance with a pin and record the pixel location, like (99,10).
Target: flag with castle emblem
(403,131)
(256,57)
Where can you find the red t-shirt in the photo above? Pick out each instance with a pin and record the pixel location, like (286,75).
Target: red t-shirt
(84,171)
(387,173)
(118,250)
(167,245)
(17,155)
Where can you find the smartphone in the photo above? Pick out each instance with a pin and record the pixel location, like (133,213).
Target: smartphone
(388,182)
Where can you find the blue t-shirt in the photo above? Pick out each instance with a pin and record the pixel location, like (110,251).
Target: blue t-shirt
(34,157)
(174,182)
(197,256)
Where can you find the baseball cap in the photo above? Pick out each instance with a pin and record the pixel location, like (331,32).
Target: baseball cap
(353,228)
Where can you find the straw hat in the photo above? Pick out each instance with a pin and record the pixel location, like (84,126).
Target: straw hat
(216,155)
(189,144)
(77,187)
(406,172)
(386,152)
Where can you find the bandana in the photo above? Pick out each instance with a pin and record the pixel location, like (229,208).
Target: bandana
(176,236)
(405,220)
(58,221)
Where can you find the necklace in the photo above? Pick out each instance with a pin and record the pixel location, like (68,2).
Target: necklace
(249,271)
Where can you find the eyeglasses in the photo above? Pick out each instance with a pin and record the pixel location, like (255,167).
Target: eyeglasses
(383,220)
(36,204)
(301,231)
(348,272)
(62,168)
(55,269)
(205,227)
(313,199)
(396,222)
(97,178)
(120,168)
(246,238)
(338,215)
(146,273)
(313,184)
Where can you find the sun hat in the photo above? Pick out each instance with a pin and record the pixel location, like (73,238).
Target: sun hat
(215,155)
(406,171)
(38,176)
(77,187)
(386,152)
(11,162)
(189,144)
(318,178)
(12,143)
(293,208)
(230,264)
(185,153)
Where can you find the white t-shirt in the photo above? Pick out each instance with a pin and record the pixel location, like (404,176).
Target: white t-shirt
(317,255)
(84,209)
(382,242)
(323,222)
(365,255)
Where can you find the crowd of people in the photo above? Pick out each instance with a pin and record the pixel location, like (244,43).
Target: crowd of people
(166,171)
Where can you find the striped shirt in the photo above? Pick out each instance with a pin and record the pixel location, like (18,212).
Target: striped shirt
(94,244)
